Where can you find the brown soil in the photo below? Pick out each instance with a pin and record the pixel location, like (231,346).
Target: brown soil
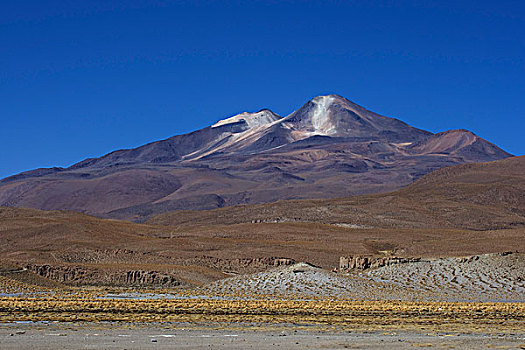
(484,196)
(459,211)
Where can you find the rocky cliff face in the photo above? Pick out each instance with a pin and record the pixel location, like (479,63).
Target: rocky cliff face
(75,275)
(367,262)
(240,265)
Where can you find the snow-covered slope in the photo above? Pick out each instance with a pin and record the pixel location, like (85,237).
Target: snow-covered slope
(252,120)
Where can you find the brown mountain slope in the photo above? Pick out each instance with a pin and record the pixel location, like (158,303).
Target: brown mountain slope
(330,147)
(472,196)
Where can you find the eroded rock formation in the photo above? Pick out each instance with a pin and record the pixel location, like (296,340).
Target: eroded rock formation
(366,262)
(76,275)
(240,265)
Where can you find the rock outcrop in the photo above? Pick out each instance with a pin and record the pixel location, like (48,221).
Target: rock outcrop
(76,275)
(81,275)
(239,265)
(366,262)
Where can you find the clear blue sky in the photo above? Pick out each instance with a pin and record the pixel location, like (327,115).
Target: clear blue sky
(79,78)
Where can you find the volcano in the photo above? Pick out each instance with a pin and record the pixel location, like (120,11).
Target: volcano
(330,147)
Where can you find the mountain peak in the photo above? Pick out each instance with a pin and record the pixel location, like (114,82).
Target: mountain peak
(334,96)
(338,99)
(252,120)
(459,141)
(335,116)
(458,134)
(320,117)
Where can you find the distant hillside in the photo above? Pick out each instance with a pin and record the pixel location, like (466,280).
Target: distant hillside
(480,196)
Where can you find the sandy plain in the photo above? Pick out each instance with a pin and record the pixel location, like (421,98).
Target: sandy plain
(280,337)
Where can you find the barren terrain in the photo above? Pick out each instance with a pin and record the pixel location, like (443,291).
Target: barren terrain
(440,258)
(454,212)
(478,197)
(490,277)
(330,147)
(43,317)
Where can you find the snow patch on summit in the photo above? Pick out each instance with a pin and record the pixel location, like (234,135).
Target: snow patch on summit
(253,120)
(320,116)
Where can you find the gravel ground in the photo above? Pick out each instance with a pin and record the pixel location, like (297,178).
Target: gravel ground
(85,337)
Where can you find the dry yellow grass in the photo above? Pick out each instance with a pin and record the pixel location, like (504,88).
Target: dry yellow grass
(371,315)
(255,311)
